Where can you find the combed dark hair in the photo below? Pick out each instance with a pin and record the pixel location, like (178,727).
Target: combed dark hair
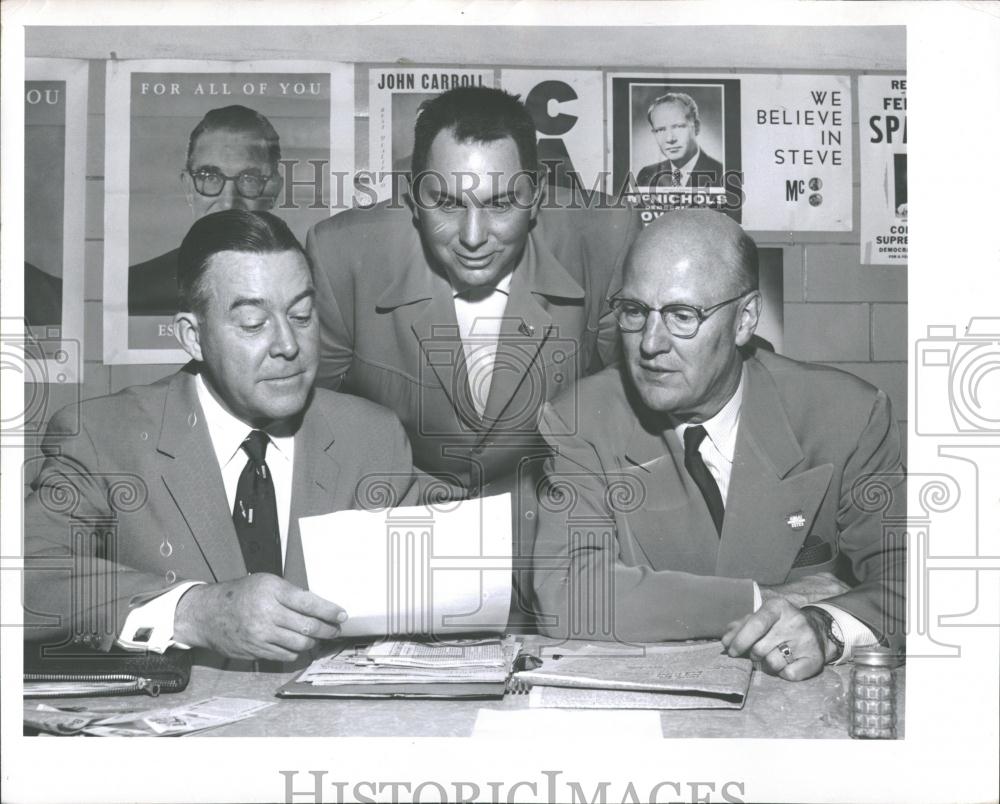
(237,118)
(477,114)
(229,230)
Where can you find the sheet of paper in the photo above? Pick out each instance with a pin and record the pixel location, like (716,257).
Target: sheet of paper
(435,570)
(602,725)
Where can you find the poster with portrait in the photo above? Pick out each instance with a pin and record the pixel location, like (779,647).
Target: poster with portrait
(797,169)
(568,109)
(675,143)
(55,158)
(394,98)
(188,138)
(882,140)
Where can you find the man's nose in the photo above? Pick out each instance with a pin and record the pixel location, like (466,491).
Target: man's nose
(656,339)
(284,343)
(473,232)
(230,198)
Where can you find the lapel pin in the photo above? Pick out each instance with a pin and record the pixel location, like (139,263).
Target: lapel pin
(796,521)
(526,329)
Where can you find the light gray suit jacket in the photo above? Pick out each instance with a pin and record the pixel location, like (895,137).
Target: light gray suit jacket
(129,500)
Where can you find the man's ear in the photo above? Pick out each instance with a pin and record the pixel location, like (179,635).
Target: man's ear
(536,202)
(188,334)
(748,317)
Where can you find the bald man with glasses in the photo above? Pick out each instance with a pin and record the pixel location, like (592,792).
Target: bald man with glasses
(232,162)
(710,492)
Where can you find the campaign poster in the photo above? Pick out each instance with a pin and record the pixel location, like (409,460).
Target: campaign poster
(797,169)
(395,95)
(675,143)
(55,156)
(568,109)
(882,126)
(188,138)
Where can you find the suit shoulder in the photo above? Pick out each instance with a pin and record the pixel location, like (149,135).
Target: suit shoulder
(817,384)
(359,220)
(137,407)
(595,402)
(353,413)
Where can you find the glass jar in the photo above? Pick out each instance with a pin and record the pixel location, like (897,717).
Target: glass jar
(872,696)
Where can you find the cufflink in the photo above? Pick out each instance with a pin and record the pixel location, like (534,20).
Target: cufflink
(142,635)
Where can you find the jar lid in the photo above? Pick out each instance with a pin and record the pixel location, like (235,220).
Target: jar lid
(876,657)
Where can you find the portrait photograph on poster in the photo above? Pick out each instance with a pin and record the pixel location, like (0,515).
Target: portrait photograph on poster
(675,143)
(185,139)
(55,147)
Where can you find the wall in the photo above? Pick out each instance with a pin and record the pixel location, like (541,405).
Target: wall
(835,310)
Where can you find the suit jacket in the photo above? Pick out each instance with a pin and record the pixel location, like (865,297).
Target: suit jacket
(152,286)
(130,501)
(389,331)
(817,478)
(707,172)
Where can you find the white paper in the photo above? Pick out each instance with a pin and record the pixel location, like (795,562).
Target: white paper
(430,570)
(576,725)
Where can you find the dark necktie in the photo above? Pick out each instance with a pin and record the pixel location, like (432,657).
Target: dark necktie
(255,513)
(675,178)
(693,436)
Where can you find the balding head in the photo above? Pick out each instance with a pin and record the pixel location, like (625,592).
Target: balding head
(700,237)
(689,259)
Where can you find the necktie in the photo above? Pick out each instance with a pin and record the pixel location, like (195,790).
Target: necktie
(255,513)
(693,436)
(675,178)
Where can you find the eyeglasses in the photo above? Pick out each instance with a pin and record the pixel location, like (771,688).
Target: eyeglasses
(210,181)
(681,320)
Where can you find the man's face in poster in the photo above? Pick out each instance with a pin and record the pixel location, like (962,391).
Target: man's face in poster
(240,160)
(676,135)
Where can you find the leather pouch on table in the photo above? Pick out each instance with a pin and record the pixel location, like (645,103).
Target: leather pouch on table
(55,674)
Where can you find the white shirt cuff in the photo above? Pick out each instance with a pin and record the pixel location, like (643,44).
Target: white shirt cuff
(151,625)
(854,632)
(758,599)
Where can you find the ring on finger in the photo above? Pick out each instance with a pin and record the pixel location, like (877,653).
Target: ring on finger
(785,651)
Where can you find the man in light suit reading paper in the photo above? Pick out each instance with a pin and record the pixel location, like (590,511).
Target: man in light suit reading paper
(196,483)
(745,515)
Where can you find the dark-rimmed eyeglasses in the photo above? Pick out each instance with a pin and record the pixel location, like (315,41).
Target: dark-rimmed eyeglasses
(681,320)
(210,181)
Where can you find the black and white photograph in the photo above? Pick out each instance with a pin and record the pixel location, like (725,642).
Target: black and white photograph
(184,140)
(55,127)
(497,402)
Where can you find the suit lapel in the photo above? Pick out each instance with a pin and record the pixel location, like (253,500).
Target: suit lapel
(770,507)
(314,485)
(673,525)
(193,479)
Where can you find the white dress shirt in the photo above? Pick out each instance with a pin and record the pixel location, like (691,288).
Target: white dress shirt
(718,450)
(479,322)
(151,625)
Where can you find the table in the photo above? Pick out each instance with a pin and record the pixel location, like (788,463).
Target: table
(816,708)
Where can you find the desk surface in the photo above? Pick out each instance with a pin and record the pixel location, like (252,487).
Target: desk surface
(816,708)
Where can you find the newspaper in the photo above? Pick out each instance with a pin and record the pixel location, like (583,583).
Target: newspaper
(165,722)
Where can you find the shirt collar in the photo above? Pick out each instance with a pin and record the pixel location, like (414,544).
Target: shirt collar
(689,165)
(503,286)
(228,432)
(722,427)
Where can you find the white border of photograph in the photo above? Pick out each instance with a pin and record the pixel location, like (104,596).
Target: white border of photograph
(75,72)
(118,110)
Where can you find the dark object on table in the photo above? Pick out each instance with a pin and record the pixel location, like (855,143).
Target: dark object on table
(50,674)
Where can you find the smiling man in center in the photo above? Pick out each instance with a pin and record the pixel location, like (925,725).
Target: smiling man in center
(472,304)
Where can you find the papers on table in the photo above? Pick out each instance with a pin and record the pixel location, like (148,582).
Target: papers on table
(653,676)
(432,570)
(164,722)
